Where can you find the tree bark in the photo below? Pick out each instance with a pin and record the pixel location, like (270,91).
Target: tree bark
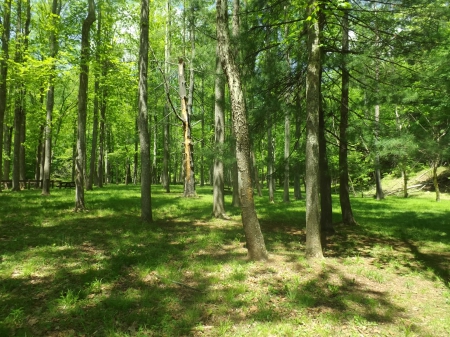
(165,179)
(93,157)
(326,204)
(255,240)
(53,43)
(287,145)
(435,165)
(4,73)
(144,138)
(313,87)
(219,140)
(344,194)
(188,160)
(102,138)
(297,166)
(80,163)
(270,160)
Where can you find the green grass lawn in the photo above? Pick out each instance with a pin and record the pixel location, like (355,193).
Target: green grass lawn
(104,273)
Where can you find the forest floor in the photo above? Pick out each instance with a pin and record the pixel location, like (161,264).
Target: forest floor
(104,273)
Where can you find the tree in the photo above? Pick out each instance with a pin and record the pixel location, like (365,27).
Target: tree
(255,240)
(144,138)
(188,159)
(219,139)
(344,195)
(313,231)
(4,71)
(53,45)
(80,164)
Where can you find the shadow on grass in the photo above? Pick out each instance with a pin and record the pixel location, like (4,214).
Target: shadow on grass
(98,273)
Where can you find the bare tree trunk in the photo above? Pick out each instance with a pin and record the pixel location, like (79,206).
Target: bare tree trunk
(53,43)
(80,162)
(435,166)
(344,195)
(379,188)
(270,160)
(97,94)
(136,158)
(188,160)
(297,166)
(313,235)
(219,140)
(326,205)
(256,174)
(102,138)
(287,145)
(18,106)
(144,137)
(236,200)
(255,240)
(165,179)
(4,72)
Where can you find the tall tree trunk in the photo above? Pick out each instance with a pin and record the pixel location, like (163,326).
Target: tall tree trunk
(4,72)
(53,44)
(144,137)
(93,157)
(80,163)
(256,174)
(18,105)
(297,166)
(379,188)
(255,240)
(270,160)
(136,156)
(202,142)
(344,194)
(188,160)
(326,205)
(102,138)
(313,87)
(287,145)
(219,140)
(165,179)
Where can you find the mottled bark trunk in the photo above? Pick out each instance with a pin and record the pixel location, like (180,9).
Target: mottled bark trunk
(144,137)
(344,194)
(313,86)
(219,140)
(188,146)
(255,241)
(80,162)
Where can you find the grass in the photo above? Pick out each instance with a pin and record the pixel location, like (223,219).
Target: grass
(104,273)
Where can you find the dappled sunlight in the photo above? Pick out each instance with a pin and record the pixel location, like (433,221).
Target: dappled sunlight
(106,273)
